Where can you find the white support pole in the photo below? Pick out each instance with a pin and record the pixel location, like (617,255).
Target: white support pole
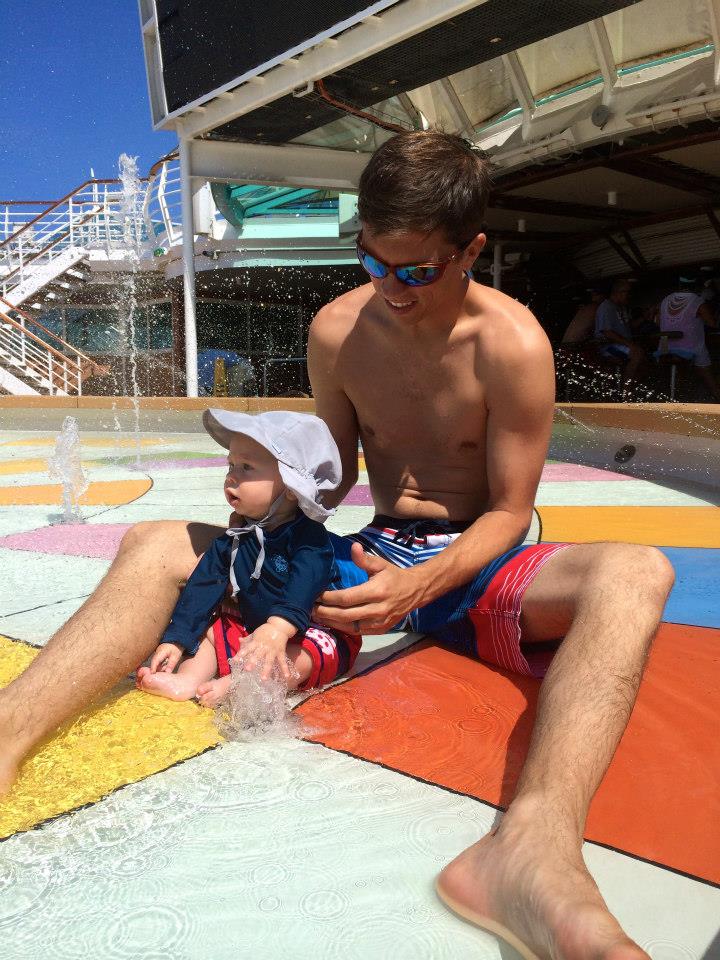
(497,266)
(188,232)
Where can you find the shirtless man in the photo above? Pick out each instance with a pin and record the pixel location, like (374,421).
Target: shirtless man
(450,387)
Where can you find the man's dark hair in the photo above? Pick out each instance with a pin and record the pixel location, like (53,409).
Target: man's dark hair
(423,181)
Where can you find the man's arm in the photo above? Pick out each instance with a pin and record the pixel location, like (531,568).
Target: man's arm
(331,402)
(519,379)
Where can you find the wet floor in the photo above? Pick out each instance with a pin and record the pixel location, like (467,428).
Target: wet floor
(159,840)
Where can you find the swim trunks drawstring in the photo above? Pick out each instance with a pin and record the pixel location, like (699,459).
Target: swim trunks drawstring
(420,528)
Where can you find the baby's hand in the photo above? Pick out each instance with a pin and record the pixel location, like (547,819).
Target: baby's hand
(265,648)
(166,658)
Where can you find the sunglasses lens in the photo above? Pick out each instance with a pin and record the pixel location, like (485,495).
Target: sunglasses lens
(373,266)
(418,276)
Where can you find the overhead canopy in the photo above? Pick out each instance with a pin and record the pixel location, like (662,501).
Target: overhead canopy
(600,115)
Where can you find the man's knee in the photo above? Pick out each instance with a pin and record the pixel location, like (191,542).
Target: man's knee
(150,532)
(633,565)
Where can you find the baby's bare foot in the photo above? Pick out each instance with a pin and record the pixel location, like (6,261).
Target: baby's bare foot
(211,693)
(173,686)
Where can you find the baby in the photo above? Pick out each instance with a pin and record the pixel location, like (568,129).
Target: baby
(276,563)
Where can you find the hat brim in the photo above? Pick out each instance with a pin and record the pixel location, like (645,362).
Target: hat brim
(222,424)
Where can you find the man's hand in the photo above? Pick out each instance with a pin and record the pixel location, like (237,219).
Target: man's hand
(166,658)
(266,647)
(372,607)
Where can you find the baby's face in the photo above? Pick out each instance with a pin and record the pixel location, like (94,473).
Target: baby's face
(253,480)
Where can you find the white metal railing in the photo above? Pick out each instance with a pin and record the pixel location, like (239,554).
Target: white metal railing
(162,210)
(88,216)
(37,361)
(15,214)
(41,240)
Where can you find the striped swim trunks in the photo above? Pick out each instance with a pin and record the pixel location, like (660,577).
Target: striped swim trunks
(481,618)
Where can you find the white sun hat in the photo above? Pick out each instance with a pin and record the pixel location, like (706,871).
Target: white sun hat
(307,455)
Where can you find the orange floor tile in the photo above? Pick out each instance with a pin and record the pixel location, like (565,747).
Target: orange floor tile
(99,493)
(452,721)
(656,526)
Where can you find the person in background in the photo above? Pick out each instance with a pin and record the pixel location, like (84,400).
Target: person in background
(687,312)
(613,329)
(582,325)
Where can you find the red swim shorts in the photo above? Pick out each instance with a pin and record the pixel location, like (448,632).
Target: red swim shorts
(332,653)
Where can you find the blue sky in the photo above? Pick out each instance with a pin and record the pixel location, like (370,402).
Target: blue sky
(73,95)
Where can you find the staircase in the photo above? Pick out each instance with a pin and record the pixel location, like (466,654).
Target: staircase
(43,258)
(34,360)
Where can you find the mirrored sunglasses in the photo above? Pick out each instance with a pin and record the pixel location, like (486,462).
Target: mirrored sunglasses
(411,274)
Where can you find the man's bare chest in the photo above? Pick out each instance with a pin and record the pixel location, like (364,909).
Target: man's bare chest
(416,403)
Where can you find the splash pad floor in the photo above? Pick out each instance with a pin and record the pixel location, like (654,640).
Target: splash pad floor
(154,839)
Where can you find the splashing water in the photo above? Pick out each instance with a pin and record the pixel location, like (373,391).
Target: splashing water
(65,465)
(132,228)
(256,709)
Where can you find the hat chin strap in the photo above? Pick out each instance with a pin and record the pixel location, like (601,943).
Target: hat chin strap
(255,527)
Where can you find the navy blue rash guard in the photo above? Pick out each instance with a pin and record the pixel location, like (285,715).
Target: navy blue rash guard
(299,564)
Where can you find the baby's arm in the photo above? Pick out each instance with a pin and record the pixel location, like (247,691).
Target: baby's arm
(200,598)
(267,646)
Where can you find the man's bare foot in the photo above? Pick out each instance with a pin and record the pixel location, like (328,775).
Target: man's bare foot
(173,686)
(211,693)
(527,880)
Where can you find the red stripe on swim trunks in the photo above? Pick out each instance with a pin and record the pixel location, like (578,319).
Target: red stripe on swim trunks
(502,601)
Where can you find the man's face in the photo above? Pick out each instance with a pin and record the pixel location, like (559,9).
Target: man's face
(622,295)
(412,304)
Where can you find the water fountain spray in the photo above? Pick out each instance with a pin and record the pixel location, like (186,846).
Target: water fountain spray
(65,465)
(132,229)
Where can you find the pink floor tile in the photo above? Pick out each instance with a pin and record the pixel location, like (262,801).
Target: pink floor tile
(99,540)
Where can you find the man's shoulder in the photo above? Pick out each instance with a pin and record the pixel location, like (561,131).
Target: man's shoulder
(339,316)
(505,324)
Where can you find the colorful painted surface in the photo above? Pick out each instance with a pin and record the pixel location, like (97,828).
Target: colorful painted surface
(152,844)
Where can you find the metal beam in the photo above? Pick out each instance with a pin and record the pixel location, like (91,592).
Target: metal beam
(714,222)
(520,85)
(605,58)
(290,165)
(372,36)
(457,110)
(666,173)
(622,253)
(568,165)
(417,119)
(634,249)
(559,208)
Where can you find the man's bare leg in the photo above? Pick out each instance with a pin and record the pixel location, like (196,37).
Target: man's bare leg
(529,875)
(115,630)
